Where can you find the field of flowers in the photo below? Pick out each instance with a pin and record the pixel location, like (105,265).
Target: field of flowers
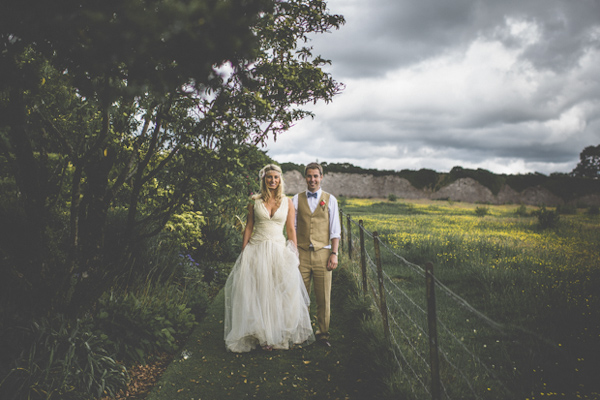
(500,260)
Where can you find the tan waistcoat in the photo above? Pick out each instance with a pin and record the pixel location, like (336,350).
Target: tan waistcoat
(313,228)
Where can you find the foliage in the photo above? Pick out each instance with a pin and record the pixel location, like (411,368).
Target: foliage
(568,209)
(565,186)
(593,210)
(136,327)
(185,229)
(289,166)
(589,163)
(547,219)
(147,43)
(91,129)
(421,179)
(520,182)
(60,359)
(392,197)
(482,211)
(538,284)
(304,372)
(521,211)
(486,178)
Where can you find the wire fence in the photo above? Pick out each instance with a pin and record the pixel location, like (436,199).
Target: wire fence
(466,356)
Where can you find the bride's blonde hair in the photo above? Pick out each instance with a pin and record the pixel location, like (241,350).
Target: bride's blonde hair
(265,193)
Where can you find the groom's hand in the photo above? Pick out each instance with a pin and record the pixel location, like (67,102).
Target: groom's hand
(332,263)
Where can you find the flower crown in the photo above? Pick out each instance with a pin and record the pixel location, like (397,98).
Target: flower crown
(263,172)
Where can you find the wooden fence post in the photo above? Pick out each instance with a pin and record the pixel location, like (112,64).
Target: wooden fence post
(432,325)
(363,261)
(349,238)
(342,230)
(382,301)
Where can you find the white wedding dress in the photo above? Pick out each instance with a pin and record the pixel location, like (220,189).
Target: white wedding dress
(266,302)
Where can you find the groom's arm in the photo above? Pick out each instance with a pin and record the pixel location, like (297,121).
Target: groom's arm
(335,231)
(295,202)
(332,263)
(335,228)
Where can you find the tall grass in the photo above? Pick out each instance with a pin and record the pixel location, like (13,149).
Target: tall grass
(539,284)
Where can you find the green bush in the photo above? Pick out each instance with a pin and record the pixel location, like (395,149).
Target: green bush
(62,359)
(547,219)
(482,211)
(521,211)
(392,197)
(568,209)
(140,325)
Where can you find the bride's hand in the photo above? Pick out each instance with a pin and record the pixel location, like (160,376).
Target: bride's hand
(293,247)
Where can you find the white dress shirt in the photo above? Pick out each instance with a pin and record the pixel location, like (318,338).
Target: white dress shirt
(335,228)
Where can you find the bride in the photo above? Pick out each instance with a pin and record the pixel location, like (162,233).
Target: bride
(266,303)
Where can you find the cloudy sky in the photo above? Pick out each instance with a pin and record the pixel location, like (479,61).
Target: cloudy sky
(511,86)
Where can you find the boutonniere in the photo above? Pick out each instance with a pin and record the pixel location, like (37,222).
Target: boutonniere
(322,204)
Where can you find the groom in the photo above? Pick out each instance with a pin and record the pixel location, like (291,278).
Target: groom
(318,233)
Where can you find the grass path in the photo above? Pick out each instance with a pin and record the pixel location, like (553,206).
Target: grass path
(205,370)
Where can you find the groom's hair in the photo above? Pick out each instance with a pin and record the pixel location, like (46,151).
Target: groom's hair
(313,165)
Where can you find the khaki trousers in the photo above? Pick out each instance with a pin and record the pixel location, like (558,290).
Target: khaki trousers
(313,264)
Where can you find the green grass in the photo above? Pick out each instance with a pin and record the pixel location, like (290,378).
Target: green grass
(539,284)
(208,371)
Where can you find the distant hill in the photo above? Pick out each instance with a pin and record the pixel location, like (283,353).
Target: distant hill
(460,184)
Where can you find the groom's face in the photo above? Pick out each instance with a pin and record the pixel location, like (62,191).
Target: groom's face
(313,179)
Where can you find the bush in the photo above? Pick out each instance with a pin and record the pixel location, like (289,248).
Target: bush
(566,209)
(62,359)
(140,325)
(521,211)
(392,197)
(546,218)
(593,210)
(482,211)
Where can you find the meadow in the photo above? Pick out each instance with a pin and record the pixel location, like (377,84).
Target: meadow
(538,285)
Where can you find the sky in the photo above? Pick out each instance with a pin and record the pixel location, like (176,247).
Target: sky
(510,86)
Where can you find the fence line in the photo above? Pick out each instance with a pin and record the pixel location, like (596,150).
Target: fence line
(406,325)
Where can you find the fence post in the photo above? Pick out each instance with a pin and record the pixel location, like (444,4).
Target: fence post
(382,301)
(342,230)
(432,325)
(363,262)
(349,238)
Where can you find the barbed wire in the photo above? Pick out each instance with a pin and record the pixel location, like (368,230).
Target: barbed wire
(394,293)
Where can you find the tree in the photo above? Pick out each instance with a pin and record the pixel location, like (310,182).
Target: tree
(124,111)
(589,163)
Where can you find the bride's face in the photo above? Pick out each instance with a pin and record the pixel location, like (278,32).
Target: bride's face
(272,180)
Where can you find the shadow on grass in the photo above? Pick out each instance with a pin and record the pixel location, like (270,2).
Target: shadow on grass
(205,370)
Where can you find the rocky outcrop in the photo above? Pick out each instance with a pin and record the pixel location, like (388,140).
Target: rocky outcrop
(465,190)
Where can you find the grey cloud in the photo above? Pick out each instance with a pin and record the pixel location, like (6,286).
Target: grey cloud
(538,116)
(393,33)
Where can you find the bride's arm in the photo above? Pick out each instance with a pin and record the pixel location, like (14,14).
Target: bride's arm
(290,223)
(249,227)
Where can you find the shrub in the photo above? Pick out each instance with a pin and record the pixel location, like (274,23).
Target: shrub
(139,325)
(482,211)
(546,218)
(392,197)
(521,211)
(566,209)
(62,359)
(593,210)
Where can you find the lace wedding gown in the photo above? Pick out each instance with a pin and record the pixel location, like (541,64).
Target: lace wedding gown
(266,302)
